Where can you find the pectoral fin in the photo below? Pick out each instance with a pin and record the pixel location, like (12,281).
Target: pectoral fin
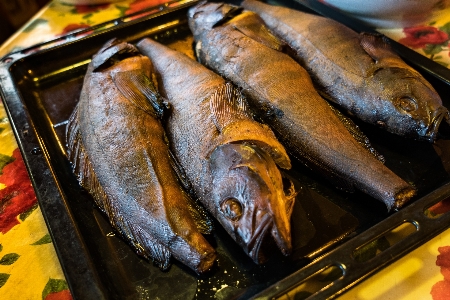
(376,45)
(140,90)
(290,195)
(260,33)
(227,105)
(230,114)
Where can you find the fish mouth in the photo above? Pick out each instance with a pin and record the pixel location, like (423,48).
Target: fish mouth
(436,129)
(253,246)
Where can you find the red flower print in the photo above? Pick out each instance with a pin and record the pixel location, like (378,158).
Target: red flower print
(56,289)
(441,289)
(83,9)
(419,37)
(143,4)
(440,207)
(18,196)
(62,295)
(73,27)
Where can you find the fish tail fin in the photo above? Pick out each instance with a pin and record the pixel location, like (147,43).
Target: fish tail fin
(114,48)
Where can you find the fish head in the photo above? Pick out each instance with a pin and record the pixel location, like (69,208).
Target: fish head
(409,105)
(205,15)
(249,199)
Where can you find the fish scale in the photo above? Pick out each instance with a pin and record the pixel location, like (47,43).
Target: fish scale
(230,159)
(305,123)
(359,72)
(118,148)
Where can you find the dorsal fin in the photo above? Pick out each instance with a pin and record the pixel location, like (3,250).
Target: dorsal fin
(140,90)
(81,164)
(227,105)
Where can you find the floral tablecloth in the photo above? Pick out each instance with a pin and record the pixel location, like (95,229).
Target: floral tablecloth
(431,40)
(29,267)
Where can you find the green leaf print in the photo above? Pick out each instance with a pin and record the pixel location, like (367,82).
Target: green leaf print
(4,160)
(54,286)
(9,259)
(431,49)
(371,249)
(46,239)
(122,9)
(27,213)
(35,24)
(445,28)
(3,278)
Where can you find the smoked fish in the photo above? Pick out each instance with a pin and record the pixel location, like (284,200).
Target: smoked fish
(237,45)
(231,160)
(359,72)
(119,153)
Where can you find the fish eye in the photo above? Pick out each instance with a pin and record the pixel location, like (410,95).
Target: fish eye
(406,103)
(232,209)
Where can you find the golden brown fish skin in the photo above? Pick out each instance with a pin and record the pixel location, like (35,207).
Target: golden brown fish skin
(229,158)
(282,92)
(121,157)
(358,71)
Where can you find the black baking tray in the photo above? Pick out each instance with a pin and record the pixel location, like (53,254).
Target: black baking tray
(331,229)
